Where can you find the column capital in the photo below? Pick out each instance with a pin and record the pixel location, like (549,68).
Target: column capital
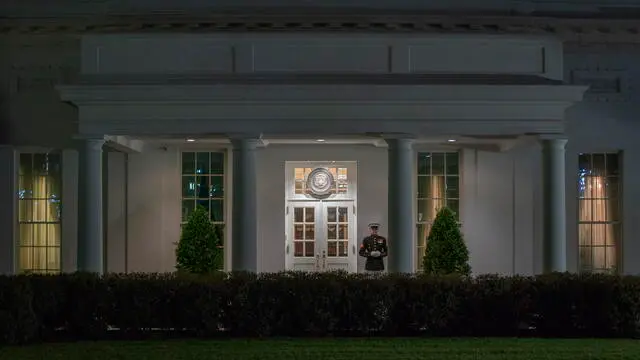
(94,144)
(246,140)
(554,143)
(400,143)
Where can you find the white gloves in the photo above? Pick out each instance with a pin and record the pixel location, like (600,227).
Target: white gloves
(375,253)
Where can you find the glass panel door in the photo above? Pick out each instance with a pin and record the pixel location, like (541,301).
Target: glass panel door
(302,237)
(338,247)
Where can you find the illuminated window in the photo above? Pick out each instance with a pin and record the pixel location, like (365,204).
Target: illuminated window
(438,186)
(203,179)
(599,218)
(341,185)
(39,208)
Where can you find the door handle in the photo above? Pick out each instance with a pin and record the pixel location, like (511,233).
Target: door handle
(317,262)
(287,249)
(353,249)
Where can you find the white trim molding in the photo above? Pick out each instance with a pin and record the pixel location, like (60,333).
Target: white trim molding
(289,109)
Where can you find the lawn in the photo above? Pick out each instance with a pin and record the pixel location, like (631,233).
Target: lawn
(348,349)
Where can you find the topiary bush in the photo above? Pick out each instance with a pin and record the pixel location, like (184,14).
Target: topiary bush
(199,250)
(446,253)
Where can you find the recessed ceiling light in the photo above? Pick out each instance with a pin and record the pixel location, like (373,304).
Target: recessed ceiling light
(451,140)
(320,140)
(191,140)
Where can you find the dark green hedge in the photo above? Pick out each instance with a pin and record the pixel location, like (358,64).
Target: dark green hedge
(82,306)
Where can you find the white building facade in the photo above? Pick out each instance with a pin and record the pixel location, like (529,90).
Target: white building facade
(295,137)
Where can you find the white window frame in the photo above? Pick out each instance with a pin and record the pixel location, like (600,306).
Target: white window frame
(420,250)
(618,242)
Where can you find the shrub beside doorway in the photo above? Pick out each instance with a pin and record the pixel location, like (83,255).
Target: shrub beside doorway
(199,250)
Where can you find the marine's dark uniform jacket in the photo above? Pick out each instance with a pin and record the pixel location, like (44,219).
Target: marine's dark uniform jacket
(374,243)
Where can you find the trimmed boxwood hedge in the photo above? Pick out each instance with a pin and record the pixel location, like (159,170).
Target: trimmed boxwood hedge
(84,306)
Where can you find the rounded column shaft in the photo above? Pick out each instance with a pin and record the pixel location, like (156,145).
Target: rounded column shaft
(400,206)
(244,247)
(91,240)
(554,206)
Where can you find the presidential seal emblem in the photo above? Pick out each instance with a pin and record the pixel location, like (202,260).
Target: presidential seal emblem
(320,182)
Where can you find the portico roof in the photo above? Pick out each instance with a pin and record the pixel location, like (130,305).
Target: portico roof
(584,23)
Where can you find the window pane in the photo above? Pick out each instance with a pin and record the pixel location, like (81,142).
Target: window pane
(53,210)
(611,187)
(585,213)
(452,187)
(584,234)
(309,249)
(40,166)
(204,203)
(332,231)
(585,258)
(54,234)
(188,186)
(54,180)
(309,232)
(424,163)
(423,185)
(26,235)
(599,234)
(422,235)
(202,187)
(598,165)
(26,163)
(584,163)
(454,205)
(298,214)
(612,164)
(216,189)
(217,163)
(332,248)
(437,163)
(188,163)
(187,209)
(202,163)
(217,211)
(452,163)
(310,214)
(25,210)
(426,210)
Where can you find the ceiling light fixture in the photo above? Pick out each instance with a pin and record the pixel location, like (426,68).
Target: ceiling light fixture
(451,140)
(191,140)
(320,140)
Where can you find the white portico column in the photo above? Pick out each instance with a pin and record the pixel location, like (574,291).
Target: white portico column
(244,236)
(400,206)
(554,217)
(91,239)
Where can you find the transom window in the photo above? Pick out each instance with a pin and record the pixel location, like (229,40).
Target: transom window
(438,186)
(39,209)
(599,215)
(340,186)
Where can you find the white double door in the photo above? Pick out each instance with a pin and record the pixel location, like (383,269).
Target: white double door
(321,236)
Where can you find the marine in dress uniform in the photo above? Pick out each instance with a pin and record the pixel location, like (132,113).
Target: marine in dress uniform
(374,248)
